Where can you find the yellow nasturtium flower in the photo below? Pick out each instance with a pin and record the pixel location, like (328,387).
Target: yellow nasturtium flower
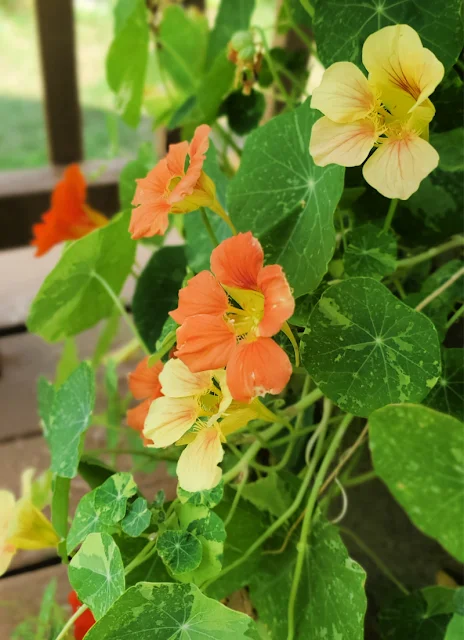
(197,409)
(22,524)
(389,110)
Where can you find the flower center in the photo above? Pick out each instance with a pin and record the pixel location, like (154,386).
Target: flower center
(245,312)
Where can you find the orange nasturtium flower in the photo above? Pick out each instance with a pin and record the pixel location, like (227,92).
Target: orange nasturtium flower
(390,111)
(22,523)
(144,385)
(229,318)
(197,409)
(177,184)
(69,217)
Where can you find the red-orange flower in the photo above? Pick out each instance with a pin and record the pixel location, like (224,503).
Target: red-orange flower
(85,621)
(144,385)
(170,187)
(69,217)
(229,318)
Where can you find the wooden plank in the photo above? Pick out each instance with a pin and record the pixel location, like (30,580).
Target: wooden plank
(55,23)
(20,596)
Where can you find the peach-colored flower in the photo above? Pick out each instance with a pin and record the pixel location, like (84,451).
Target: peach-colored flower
(144,385)
(69,217)
(228,319)
(171,187)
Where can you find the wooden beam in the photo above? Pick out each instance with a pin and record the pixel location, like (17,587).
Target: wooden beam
(57,51)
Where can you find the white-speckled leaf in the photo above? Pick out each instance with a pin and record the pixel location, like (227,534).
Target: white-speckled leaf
(137,519)
(96,573)
(370,252)
(166,611)
(366,349)
(65,414)
(342,26)
(71,299)
(86,520)
(111,497)
(419,454)
(331,602)
(448,394)
(287,201)
(208,498)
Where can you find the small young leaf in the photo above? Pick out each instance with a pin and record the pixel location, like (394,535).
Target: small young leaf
(448,394)
(68,418)
(268,494)
(137,519)
(418,453)
(168,611)
(157,292)
(181,551)
(365,348)
(208,498)
(232,16)
(127,59)
(71,299)
(96,573)
(370,252)
(287,201)
(111,497)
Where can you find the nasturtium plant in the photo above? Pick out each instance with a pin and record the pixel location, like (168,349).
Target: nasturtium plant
(294,365)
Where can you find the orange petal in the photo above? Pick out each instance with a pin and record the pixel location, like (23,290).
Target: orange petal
(71,189)
(279,303)
(149,219)
(144,380)
(202,295)
(154,185)
(136,417)
(176,157)
(198,148)
(204,342)
(257,368)
(237,261)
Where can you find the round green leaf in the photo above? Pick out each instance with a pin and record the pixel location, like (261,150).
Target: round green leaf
(370,252)
(243,111)
(418,453)
(406,619)
(157,292)
(96,573)
(137,519)
(448,394)
(181,551)
(342,26)
(365,348)
(208,498)
(157,611)
(287,201)
(72,299)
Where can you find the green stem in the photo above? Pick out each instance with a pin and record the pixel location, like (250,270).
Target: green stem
(71,621)
(407,263)
(306,526)
(208,227)
(132,452)
(124,353)
(236,499)
(304,403)
(251,452)
(121,308)
(435,294)
(308,7)
(390,214)
(270,62)
(375,558)
(455,317)
(360,479)
(228,139)
(141,557)
(342,228)
(274,526)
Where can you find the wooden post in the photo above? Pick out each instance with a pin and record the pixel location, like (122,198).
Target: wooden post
(56,38)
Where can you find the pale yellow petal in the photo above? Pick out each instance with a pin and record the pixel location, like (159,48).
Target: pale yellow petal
(177,381)
(397,168)
(7,511)
(345,144)
(394,55)
(168,419)
(238,416)
(7,551)
(31,529)
(39,490)
(197,468)
(220,377)
(344,94)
